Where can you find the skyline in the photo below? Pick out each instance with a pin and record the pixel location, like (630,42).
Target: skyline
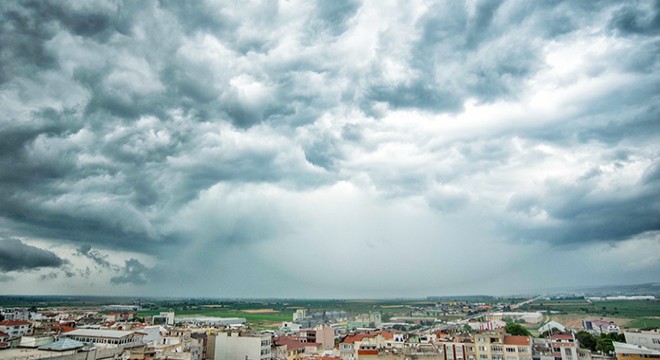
(356,149)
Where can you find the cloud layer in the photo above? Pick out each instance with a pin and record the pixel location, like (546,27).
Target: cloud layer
(251,139)
(18,256)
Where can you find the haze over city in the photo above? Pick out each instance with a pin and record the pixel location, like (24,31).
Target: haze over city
(338,149)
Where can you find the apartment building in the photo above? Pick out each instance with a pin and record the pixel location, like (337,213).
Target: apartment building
(457,349)
(241,345)
(16,328)
(496,345)
(564,346)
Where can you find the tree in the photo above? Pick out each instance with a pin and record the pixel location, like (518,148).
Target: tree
(516,329)
(604,342)
(586,340)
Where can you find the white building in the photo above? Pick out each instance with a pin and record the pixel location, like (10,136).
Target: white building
(528,317)
(288,326)
(552,325)
(647,339)
(600,326)
(299,314)
(16,328)
(166,318)
(235,345)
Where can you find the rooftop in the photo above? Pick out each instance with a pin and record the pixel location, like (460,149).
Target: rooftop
(14,322)
(623,348)
(99,333)
(516,340)
(63,344)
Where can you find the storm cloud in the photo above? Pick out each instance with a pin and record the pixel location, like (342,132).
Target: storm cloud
(18,256)
(151,141)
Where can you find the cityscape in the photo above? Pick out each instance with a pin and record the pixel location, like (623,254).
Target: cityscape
(567,326)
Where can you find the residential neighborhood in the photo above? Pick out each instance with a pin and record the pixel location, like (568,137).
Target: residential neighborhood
(118,332)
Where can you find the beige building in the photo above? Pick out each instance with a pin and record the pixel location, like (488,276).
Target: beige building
(495,345)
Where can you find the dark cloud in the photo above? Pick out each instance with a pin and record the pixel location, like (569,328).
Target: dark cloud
(23,35)
(332,17)
(100,259)
(580,213)
(50,276)
(630,19)
(120,118)
(133,272)
(18,256)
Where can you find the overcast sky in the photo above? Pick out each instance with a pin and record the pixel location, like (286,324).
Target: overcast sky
(328,148)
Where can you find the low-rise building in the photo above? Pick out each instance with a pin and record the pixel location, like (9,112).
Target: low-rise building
(106,338)
(600,326)
(528,317)
(16,328)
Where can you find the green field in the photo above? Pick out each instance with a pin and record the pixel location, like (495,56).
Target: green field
(627,309)
(251,317)
(643,323)
(639,314)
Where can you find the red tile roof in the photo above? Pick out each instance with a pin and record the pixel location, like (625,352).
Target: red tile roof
(367,352)
(516,340)
(66,328)
(350,339)
(14,322)
(291,343)
(387,335)
(2,334)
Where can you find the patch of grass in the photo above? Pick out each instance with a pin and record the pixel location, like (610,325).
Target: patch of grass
(211,312)
(642,323)
(625,309)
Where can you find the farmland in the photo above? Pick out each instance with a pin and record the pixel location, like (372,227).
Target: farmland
(627,314)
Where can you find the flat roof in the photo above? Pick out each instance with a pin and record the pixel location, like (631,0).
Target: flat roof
(98,333)
(632,349)
(27,353)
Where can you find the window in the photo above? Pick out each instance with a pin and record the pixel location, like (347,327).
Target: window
(482,348)
(483,356)
(510,349)
(495,348)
